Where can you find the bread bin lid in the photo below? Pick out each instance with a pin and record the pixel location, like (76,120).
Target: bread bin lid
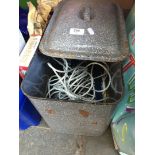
(86,30)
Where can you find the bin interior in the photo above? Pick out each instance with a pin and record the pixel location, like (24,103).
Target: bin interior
(35,83)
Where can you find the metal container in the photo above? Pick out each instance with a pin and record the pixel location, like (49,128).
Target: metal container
(85,30)
(80,118)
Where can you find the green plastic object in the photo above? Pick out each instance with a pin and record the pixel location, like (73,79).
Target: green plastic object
(123,131)
(123,123)
(23,3)
(127,104)
(130,21)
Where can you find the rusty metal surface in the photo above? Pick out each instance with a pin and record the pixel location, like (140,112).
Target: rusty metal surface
(105,40)
(74,118)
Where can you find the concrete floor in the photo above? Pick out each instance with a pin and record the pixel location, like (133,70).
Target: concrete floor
(41,140)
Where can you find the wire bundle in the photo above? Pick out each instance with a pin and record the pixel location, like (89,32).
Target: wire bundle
(78,83)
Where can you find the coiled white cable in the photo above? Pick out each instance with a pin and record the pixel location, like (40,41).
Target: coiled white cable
(77,83)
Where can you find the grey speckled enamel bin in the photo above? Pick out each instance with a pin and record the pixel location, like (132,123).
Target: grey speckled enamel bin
(86,30)
(63,116)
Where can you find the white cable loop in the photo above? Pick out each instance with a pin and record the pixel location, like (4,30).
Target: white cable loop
(78,83)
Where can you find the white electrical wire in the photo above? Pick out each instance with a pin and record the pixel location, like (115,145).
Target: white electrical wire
(78,83)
